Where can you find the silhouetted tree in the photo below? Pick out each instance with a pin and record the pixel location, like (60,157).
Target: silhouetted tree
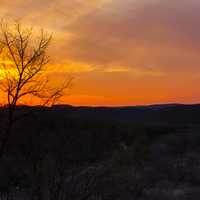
(22,71)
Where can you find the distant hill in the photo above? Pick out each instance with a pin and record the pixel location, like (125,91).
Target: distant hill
(163,113)
(171,113)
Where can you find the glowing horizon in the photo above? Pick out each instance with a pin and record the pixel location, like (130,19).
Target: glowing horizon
(120,52)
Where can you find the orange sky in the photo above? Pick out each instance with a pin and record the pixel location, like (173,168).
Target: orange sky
(120,52)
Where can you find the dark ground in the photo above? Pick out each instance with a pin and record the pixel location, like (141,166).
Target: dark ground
(82,153)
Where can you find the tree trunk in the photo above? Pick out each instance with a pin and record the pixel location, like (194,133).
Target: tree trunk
(7,133)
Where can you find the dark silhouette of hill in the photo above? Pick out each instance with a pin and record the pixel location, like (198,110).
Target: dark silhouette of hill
(88,153)
(164,113)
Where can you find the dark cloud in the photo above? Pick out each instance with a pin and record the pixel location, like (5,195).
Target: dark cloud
(163,34)
(145,33)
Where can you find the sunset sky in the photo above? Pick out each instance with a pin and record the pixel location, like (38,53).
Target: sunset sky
(120,52)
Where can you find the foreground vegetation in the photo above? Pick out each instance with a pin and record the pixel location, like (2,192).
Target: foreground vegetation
(102,153)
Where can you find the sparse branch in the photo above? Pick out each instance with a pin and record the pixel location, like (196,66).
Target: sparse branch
(22,73)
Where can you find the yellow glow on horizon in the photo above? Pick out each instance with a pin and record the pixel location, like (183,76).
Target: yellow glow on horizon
(5,62)
(6,68)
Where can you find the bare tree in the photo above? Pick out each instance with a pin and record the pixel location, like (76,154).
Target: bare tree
(22,74)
